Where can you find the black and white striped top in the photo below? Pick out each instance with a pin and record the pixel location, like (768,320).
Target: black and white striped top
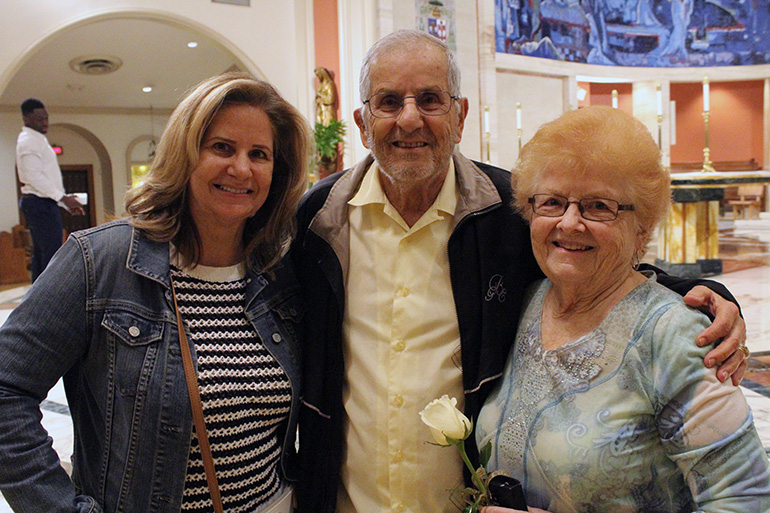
(244,392)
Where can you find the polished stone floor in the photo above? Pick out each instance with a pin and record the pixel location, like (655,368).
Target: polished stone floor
(745,252)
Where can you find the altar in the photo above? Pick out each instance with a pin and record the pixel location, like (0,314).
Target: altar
(688,243)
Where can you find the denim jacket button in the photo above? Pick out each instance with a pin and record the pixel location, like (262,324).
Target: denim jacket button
(134,331)
(277,337)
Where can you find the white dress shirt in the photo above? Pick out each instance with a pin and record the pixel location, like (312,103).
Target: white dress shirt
(38,168)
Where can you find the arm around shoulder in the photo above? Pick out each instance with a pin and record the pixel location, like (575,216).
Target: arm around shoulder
(728,328)
(684,285)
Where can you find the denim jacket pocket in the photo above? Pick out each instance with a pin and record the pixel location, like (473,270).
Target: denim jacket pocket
(291,310)
(289,313)
(279,327)
(131,328)
(136,344)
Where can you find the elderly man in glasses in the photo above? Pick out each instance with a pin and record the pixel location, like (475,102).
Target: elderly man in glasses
(414,265)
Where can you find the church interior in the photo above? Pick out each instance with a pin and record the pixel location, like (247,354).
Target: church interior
(697,74)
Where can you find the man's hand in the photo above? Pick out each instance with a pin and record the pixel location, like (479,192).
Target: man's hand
(73,205)
(728,326)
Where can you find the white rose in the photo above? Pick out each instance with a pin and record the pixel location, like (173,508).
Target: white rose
(445,420)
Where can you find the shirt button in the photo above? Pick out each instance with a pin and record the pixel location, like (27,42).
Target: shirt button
(399,346)
(134,331)
(398,456)
(403,291)
(398,401)
(277,337)
(399,508)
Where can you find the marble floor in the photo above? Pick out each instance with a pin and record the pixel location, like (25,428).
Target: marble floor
(744,250)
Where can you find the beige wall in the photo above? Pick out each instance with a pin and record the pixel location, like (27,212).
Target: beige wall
(77,151)
(541,101)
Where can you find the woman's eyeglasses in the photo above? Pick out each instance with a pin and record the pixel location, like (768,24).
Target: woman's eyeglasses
(593,209)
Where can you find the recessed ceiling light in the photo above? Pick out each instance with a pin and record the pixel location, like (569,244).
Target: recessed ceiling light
(147,89)
(192,44)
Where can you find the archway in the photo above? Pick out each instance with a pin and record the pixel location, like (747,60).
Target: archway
(109,111)
(102,171)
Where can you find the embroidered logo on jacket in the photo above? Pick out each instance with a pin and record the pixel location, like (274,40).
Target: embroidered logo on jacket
(496,288)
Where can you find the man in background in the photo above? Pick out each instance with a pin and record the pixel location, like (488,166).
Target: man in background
(42,187)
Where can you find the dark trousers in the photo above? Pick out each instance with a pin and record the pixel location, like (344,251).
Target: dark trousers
(45,227)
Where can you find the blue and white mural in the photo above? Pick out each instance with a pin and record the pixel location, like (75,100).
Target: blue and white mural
(660,33)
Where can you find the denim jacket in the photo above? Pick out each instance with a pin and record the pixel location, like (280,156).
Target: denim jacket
(102,317)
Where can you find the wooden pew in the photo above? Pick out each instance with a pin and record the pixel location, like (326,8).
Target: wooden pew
(14,259)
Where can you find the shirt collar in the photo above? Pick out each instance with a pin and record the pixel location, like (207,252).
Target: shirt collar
(371,192)
(34,132)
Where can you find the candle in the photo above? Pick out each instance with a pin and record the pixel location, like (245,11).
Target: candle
(518,116)
(614,98)
(486,119)
(706,94)
(659,97)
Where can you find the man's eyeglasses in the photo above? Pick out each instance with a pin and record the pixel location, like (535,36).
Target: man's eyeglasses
(593,209)
(429,103)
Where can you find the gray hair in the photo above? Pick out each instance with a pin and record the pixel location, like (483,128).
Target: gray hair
(401,40)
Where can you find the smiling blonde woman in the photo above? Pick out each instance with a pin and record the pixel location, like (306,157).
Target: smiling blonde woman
(201,255)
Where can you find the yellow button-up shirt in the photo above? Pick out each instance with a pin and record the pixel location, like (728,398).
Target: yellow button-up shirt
(402,350)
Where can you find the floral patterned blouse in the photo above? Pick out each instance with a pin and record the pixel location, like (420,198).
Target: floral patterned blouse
(626,418)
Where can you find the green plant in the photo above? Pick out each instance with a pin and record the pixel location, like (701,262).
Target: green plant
(327,138)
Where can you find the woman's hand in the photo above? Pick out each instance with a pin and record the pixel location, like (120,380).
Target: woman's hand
(729,326)
(498,509)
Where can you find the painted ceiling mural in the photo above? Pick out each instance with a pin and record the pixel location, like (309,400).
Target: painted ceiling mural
(659,33)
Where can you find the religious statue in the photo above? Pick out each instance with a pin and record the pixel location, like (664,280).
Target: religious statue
(328,131)
(325,97)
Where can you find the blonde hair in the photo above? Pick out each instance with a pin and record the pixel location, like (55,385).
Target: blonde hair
(599,139)
(159,206)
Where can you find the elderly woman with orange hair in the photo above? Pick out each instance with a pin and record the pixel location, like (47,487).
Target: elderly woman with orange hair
(605,405)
